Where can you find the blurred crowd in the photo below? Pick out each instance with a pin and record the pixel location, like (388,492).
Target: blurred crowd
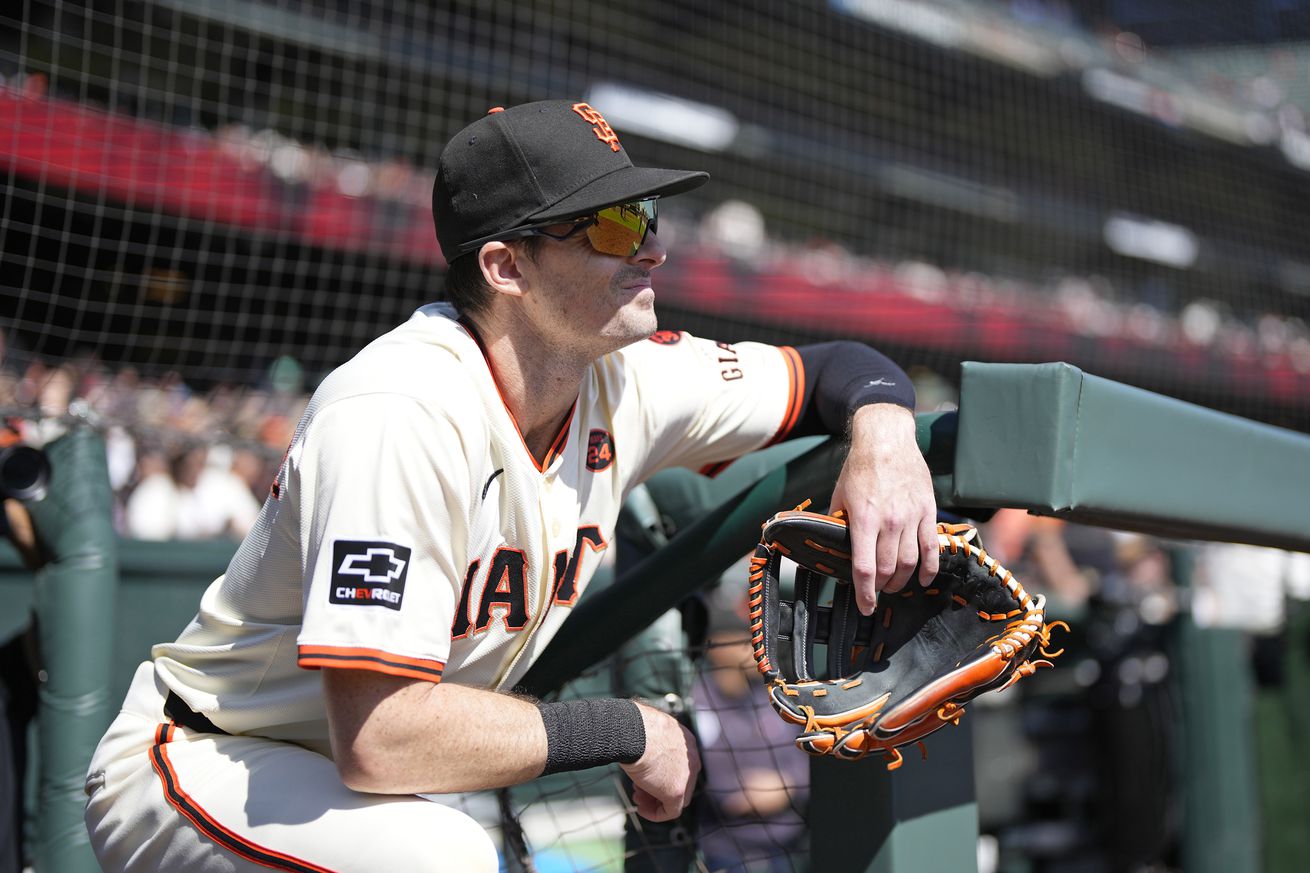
(1153,312)
(183,464)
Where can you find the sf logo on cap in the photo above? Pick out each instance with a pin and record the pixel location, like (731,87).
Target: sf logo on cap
(602,128)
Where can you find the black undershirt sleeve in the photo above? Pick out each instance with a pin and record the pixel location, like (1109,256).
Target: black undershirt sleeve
(842,376)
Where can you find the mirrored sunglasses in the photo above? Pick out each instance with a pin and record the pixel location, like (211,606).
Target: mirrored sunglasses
(615,230)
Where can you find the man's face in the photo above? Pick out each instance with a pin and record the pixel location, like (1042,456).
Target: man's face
(592,302)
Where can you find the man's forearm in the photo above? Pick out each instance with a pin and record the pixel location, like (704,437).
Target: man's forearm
(406,736)
(400,736)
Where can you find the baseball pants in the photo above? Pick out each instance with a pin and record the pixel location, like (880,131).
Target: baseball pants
(165,798)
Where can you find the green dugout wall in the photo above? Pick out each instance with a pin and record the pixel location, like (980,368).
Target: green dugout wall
(96,623)
(159,587)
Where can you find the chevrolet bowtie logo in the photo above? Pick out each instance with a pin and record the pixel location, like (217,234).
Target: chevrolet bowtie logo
(379,566)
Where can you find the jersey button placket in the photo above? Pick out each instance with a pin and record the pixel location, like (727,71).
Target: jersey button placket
(550,498)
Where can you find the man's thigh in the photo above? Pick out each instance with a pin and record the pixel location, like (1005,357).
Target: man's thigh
(201,802)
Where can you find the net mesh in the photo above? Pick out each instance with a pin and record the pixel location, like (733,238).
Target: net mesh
(208,204)
(749,809)
(207,188)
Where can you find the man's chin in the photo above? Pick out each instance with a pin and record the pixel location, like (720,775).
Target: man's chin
(640,311)
(636,325)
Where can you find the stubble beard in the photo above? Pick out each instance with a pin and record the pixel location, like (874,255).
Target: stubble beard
(635,318)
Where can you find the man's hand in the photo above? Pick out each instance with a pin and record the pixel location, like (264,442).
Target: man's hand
(886,491)
(665,776)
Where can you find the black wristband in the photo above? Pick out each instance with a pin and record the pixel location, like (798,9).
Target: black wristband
(591,732)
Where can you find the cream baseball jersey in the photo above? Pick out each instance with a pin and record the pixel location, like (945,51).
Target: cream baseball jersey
(411,532)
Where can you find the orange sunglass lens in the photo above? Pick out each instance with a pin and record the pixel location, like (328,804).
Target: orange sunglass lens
(619,230)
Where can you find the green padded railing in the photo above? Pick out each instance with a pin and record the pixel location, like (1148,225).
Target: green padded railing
(1054,440)
(75,597)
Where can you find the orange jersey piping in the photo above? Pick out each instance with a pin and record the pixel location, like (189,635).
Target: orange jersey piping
(317,657)
(556,447)
(795,393)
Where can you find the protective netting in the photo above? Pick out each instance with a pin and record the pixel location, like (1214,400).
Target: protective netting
(197,190)
(208,204)
(1074,765)
(750,808)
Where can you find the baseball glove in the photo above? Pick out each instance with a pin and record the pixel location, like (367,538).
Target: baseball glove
(896,676)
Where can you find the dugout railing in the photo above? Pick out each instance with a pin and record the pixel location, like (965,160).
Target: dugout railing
(1046,438)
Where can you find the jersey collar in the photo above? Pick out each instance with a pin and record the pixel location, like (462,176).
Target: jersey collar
(561,439)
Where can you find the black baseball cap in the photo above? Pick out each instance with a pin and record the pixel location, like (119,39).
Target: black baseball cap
(535,163)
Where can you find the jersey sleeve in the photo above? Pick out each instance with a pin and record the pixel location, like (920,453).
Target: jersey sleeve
(384,489)
(702,403)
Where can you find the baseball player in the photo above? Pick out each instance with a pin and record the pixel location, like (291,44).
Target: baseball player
(444,502)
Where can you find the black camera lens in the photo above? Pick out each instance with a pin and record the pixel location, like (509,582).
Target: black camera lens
(24,472)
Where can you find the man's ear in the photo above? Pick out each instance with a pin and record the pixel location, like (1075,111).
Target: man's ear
(501,268)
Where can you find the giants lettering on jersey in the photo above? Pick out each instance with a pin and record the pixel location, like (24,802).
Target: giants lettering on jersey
(505,592)
(505,586)
(728,361)
(565,584)
(368,573)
